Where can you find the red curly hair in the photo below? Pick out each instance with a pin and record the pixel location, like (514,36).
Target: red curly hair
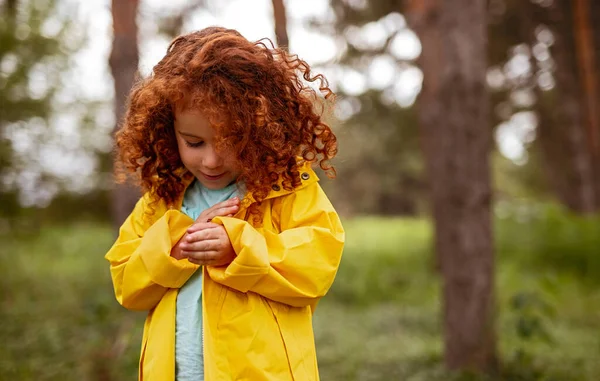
(254,97)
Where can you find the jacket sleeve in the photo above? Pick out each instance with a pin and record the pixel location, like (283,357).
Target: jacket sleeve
(141,265)
(296,266)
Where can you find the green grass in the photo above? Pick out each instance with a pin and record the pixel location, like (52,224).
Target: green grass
(59,317)
(381,320)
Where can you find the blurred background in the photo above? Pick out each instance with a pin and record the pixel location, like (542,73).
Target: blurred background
(468,181)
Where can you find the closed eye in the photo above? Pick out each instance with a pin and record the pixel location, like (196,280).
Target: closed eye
(193,145)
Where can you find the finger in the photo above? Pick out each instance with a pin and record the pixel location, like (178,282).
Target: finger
(200,245)
(204,257)
(202,232)
(198,226)
(225,204)
(231,201)
(232,209)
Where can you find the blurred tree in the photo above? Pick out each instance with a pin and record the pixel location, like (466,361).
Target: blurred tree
(11,8)
(529,67)
(587,56)
(528,103)
(515,96)
(379,163)
(172,24)
(280,20)
(557,37)
(34,51)
(457,137)
(574,173)
(594,15)
(123,62)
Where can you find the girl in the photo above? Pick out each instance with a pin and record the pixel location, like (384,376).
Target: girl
(234,241)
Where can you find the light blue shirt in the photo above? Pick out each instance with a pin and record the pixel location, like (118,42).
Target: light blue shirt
(189,357)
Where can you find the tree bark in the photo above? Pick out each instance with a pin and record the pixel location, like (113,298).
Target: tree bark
(586,63)
(280,20)
(123,62)
(566,142)
(594,15)
(454,120)
(587,57)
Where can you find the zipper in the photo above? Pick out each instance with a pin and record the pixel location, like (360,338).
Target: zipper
(203,323)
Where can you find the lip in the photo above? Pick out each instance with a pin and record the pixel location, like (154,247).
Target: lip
(213,178)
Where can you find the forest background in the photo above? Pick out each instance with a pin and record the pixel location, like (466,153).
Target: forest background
(468,181)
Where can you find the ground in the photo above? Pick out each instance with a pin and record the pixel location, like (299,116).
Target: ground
(380,321)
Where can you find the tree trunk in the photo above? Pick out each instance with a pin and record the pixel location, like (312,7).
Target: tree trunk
(565,141)
(123,62)
(584,42)
(280,19)
(594,15)
(587,57)
(457,136)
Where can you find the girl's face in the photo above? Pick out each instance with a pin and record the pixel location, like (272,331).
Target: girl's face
(195,141)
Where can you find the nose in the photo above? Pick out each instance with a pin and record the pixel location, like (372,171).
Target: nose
(212,159)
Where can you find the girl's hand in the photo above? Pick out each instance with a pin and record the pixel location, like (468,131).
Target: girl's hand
(225,208)
(207,244)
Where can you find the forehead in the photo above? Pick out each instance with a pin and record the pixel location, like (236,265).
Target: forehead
(191,119)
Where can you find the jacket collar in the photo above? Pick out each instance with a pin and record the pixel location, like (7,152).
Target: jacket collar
(307,177)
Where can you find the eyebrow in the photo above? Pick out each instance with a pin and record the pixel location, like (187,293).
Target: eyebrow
(189,135)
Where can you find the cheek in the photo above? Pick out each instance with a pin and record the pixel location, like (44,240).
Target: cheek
(186,154)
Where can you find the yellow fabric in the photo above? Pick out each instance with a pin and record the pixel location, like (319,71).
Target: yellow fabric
(257,311)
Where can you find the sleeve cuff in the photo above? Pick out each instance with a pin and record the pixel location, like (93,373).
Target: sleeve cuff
(155,250)
(252,258)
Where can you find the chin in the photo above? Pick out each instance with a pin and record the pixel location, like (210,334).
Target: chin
(216,185)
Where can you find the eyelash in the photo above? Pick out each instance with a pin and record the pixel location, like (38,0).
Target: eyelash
(193,145)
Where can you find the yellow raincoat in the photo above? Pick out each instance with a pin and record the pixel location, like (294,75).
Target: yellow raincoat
(257,311)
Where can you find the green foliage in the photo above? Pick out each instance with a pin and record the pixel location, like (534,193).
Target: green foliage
(60,319)
(33,54)
(548,237)
(381,255)
(380,321)
(379,159)
(532,312)
(380,154)
(379,165)
(37,41)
